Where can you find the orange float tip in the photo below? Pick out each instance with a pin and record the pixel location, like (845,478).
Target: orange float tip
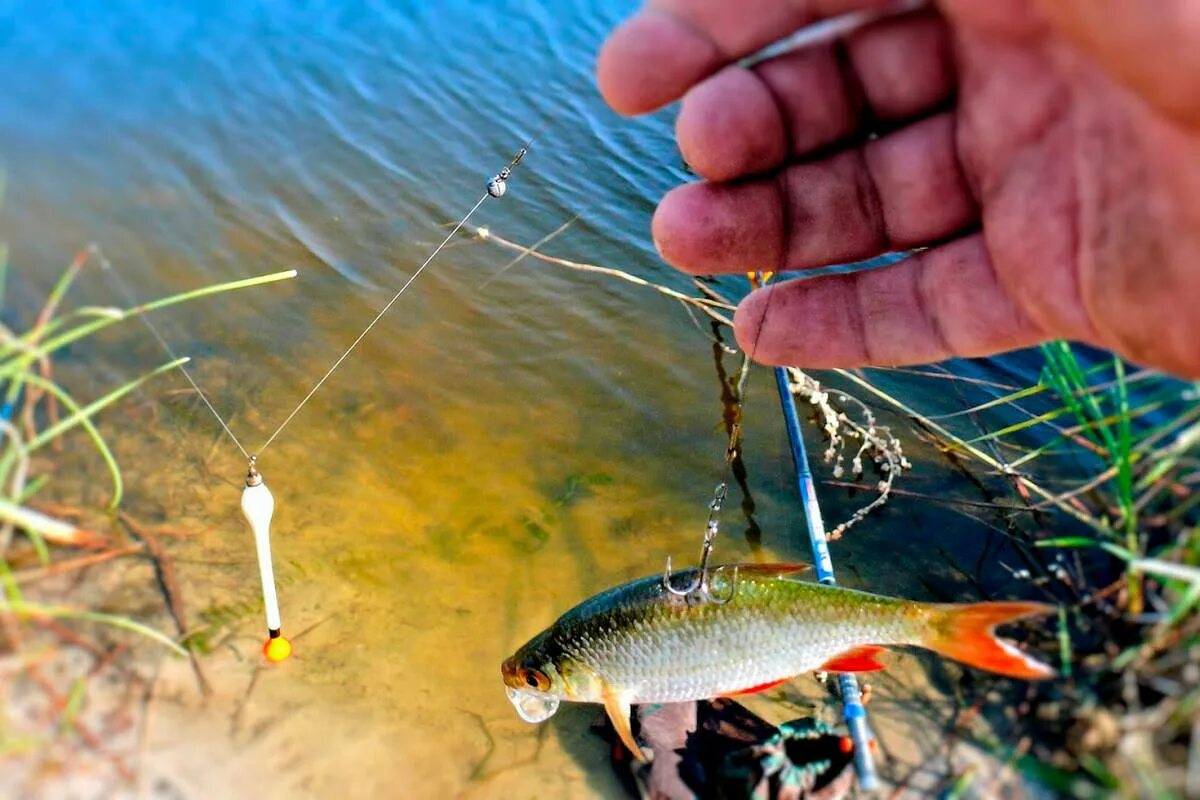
(277,649)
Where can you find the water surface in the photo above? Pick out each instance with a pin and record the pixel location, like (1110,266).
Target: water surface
(489,456)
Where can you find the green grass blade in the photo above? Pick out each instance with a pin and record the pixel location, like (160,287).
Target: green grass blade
(51,433)
(57,293)
(86,423)
(12,591)
(1067,377)
(1124,463)
(1167,569)
(34,610)
(1064,643)
(1184,607)
(1020,426)
(32,487)
(14,362)
(1006,400)
(96,406)
(73,705)
(1076,542)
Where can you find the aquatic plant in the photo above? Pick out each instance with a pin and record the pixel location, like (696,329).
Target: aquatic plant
(1118,547)
(1130,449)
(38,412)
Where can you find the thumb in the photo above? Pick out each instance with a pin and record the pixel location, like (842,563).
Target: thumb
(1151,47)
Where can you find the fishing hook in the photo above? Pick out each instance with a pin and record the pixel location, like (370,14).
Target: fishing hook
(700,588)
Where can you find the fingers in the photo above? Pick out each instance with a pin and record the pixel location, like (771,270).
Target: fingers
(749,121)
(1154,48)
(746,121)
(902,190)
(905,66)
(938,304)
(656,56)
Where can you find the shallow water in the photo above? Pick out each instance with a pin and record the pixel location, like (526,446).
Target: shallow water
(489,456)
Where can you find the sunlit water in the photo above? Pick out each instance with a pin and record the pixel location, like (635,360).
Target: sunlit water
(489,456)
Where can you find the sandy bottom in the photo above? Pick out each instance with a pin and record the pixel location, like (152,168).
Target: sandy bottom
(411,560)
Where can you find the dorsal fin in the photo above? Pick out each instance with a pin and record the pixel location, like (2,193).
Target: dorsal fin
(780,570)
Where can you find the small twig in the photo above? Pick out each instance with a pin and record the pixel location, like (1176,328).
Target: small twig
(954,501)
(28,576)
(50,529)
(710,307)
(170,585)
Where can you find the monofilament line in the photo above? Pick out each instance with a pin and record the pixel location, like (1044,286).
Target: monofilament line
(106,265)
(371,324)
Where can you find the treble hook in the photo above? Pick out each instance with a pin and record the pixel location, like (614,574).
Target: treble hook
(700,590)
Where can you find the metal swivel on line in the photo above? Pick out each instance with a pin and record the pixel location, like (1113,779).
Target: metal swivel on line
(498,185)
(258,505)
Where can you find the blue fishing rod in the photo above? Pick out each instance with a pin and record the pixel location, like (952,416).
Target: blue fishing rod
(853,710)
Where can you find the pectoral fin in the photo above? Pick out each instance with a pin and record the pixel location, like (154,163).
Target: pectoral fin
(618,709)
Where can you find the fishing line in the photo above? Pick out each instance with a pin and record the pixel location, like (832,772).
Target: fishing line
(107,266)
(496,188)
(700,588)
(371,325)
(258,504)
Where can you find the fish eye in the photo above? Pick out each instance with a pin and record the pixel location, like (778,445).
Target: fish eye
(535,679)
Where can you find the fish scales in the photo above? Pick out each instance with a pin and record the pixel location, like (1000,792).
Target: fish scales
(663,649)
(643,643)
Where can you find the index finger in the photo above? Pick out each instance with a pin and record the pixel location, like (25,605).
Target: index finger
(670,45)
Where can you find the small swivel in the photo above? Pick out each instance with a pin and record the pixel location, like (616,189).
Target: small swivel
(253,477)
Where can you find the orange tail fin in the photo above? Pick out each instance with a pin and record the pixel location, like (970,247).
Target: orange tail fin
(966,633)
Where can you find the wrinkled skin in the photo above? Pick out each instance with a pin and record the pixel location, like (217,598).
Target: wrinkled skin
(1047,153)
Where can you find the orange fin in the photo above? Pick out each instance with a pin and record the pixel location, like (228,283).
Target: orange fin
(860,659)
(966,633)
(762,687)
(618,712)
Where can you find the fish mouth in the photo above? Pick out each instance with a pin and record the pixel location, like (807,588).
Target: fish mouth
(531,706)
(510,672)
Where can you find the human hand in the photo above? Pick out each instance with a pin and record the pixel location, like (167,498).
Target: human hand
(1047,155)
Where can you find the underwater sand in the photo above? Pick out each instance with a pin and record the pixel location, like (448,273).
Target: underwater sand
(488,457)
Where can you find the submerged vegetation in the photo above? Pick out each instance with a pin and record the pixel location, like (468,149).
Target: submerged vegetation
(39,418)
(1102,467)
(1092,475)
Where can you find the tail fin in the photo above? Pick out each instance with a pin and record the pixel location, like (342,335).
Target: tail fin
(966,633)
